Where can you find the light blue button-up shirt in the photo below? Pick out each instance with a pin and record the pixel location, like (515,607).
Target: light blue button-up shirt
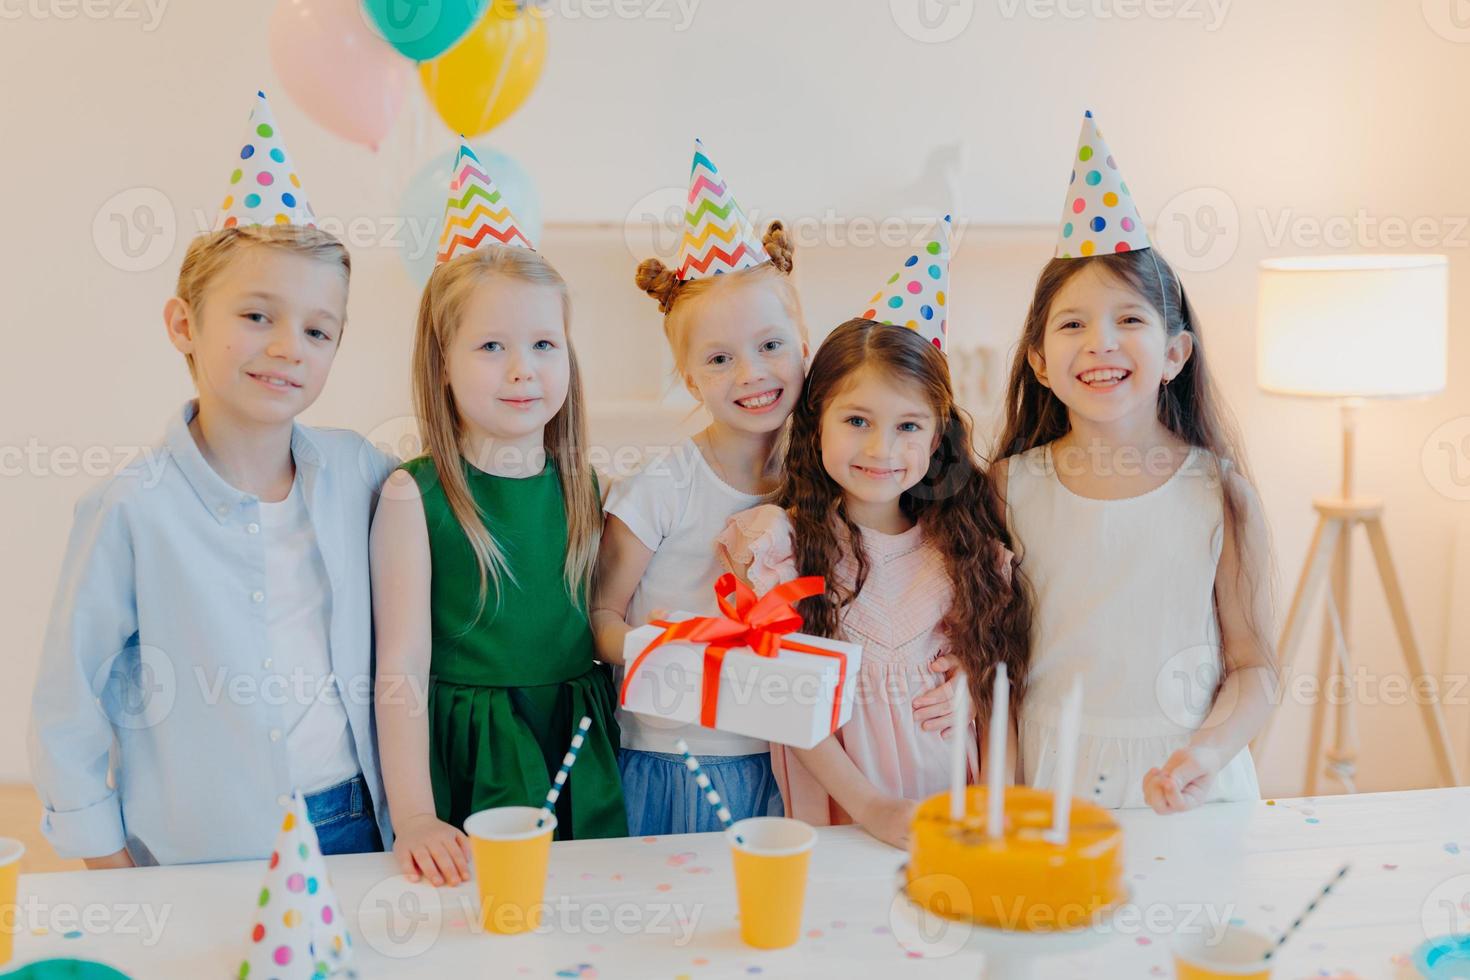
(158,719)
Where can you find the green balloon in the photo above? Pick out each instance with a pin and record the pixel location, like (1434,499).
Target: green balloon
(424,29)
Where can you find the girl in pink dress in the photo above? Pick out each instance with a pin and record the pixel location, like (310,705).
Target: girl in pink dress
(881,456)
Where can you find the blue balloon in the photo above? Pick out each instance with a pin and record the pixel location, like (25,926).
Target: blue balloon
(424,29)
(428,191)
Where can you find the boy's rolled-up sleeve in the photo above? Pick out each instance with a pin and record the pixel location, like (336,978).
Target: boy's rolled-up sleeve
(93,623)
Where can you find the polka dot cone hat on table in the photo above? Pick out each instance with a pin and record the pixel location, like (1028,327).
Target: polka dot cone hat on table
(718,237)
(264,188)
(917,295)
(477,213)
(1099,216)
(299,931)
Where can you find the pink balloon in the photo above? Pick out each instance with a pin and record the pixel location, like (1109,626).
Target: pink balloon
(337,69)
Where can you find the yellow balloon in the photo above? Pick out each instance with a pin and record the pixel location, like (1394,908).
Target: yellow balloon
(478,83)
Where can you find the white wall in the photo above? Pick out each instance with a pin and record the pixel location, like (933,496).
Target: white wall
(1303,111)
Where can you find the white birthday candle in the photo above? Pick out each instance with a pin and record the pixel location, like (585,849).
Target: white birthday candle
(1000,726)
(1067,763)
(958,754)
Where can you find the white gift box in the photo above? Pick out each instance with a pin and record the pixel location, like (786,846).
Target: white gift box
(787,698)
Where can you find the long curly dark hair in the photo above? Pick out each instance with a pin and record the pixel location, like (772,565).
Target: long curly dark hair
(989,618)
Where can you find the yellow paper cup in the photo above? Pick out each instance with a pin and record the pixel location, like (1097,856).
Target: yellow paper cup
(511,854)
(11,851)
(770,878)
(1240,953)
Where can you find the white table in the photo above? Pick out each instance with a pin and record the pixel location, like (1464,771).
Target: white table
(617,905)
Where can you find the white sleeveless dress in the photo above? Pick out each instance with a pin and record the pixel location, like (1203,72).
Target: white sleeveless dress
(1124,598)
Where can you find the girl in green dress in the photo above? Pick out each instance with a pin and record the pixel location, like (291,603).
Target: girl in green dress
(482,552)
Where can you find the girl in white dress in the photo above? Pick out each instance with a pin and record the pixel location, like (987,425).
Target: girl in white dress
(1142,539)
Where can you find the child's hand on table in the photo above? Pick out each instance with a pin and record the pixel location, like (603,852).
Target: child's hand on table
(891,821)
(427,847)
(1183,782)
(934,709)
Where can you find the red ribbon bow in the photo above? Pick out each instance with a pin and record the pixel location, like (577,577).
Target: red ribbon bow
(761,624)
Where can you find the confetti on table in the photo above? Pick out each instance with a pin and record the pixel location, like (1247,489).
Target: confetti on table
(40,931)
(1452,847)
(72,934)
(1144,941)
(664,887)
(814,934)
(1390,867)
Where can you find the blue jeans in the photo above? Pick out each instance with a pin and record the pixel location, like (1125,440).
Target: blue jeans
(344,819)
(662,797)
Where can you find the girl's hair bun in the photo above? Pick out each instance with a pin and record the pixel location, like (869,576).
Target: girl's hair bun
(658,281)
(778,246)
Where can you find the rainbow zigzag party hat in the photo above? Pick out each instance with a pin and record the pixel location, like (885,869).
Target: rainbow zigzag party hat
(477,214)
(718,237)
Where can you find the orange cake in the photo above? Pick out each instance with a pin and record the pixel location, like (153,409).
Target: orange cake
(1021,881)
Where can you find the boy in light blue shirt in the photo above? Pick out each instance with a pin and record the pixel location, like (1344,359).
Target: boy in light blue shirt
(210,644)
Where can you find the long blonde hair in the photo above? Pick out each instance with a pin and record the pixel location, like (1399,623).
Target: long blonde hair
(440,425)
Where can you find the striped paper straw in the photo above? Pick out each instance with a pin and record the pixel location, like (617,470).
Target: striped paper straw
(569,760)
(702,781)
(1311,907)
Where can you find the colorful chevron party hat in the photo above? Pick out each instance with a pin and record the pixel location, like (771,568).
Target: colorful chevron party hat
(917,295)
(476,214)
(264,188)
(718,238)
(299,932)
(1100,216)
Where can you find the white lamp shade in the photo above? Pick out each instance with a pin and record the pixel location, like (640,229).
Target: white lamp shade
(1353,326)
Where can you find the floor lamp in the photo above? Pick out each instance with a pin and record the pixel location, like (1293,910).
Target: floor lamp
(1352,328)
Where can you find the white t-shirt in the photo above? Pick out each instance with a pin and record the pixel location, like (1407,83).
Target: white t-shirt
(676,505)
(298,613)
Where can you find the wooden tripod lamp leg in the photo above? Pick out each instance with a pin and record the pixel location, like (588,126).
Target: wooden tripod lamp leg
(1434,723)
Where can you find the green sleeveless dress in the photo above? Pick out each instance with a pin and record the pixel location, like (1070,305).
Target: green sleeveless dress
(509,682)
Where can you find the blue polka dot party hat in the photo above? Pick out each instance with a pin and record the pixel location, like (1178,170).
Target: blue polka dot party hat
(299,932)
(917,295)
(718,237)
(1099,216)
(477,213)
(264,188)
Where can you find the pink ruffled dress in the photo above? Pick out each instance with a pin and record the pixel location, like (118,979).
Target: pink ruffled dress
(896,620)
